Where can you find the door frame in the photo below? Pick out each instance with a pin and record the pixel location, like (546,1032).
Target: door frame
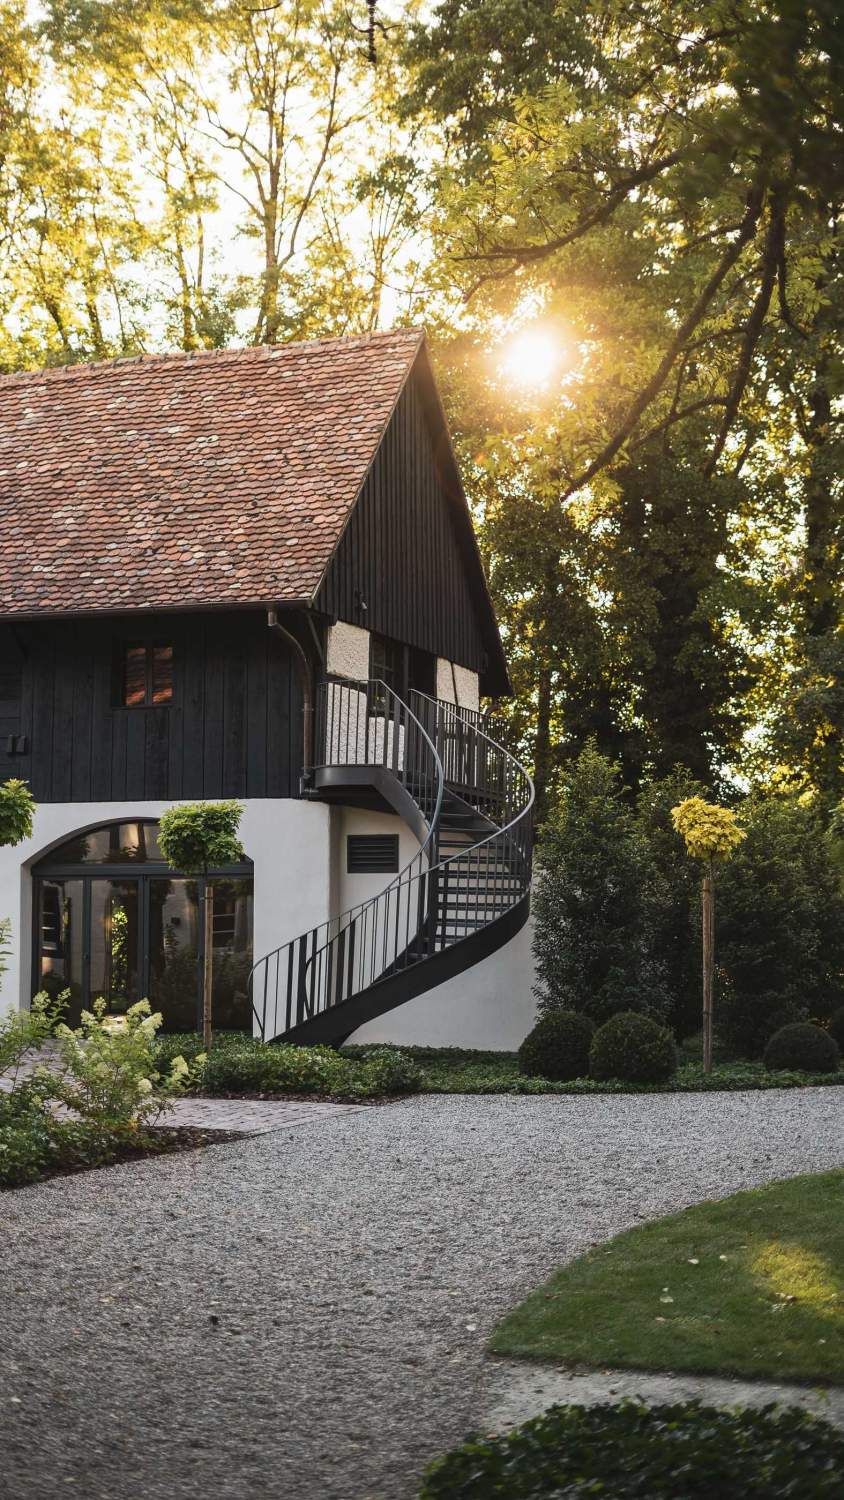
(141,871)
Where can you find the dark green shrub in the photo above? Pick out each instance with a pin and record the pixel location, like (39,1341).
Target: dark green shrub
(779,944)
(594,939)
(239,1064)
(390,1071)
(836,1027)
(804,1048)
(674,896)
(635,1452)
(633,1048)
(34,1144)
(253,1067)
(557,1047)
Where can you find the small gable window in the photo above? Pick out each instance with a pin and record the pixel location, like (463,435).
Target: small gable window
(386,664)
(146,674)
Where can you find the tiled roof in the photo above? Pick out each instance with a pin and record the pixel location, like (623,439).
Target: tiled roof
(178,480)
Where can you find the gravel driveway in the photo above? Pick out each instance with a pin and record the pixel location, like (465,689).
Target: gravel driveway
(302,1315)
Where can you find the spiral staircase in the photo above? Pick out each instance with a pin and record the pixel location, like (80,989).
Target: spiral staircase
(464,894)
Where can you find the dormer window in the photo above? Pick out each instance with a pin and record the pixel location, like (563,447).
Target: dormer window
(146,676)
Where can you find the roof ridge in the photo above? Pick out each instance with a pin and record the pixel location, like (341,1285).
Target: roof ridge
(89,369)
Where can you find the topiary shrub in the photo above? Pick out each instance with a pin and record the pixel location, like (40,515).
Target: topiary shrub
(680,1452)
(802,1048)
(557,1047)
(836,1027)
(633,1048)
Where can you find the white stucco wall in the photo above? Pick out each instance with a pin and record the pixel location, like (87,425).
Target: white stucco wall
(451,676)
(288,841)
(350,890)
(347,654)
(299,853)
(490,1006)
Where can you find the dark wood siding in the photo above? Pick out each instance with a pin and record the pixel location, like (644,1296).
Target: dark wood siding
(12,700)
(232,730)
(402,551)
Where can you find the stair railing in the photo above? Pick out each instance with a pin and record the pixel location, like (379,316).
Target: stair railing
(496,871)
(432,903)
(357,724)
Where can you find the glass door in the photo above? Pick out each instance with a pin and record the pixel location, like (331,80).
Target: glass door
(61,942)
(115,943)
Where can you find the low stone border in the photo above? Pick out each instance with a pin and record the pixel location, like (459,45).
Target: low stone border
(520,1390)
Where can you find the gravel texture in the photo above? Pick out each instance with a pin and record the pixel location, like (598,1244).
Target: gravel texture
(302,1315)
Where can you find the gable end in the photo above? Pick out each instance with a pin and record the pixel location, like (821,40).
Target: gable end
(408,552)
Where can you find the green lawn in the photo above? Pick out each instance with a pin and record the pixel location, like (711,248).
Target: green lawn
(752,1285)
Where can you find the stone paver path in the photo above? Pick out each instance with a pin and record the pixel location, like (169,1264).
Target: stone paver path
(255,1116)
(258,1116)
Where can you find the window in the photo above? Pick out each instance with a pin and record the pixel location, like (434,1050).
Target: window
(372,854)
(386,664)
(146,676)
(113,921)
(422,672)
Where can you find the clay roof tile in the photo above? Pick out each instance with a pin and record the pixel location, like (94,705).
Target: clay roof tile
(188,479)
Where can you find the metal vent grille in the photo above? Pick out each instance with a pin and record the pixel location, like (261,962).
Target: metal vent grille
(372,853)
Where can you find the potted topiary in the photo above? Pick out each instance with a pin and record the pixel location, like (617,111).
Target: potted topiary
(17,810)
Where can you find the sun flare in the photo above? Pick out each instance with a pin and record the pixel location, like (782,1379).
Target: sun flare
(532,356)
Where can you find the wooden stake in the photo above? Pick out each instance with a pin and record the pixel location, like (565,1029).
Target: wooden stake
(208,964)
(707,907)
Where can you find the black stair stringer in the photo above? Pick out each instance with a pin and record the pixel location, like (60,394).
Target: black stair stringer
(335,1025)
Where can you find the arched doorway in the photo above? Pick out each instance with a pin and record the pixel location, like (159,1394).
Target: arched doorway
(113,920)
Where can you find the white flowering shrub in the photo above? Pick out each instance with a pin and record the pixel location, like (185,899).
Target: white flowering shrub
(108,1072)
(22,1034)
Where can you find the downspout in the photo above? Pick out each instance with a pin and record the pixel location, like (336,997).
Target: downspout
(304,668)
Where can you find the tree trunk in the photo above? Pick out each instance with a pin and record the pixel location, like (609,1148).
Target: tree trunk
(207,967)
(708,930)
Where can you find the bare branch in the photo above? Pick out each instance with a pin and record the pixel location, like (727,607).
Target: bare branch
(755,199)
(678,415)
(522,255)
(771,256)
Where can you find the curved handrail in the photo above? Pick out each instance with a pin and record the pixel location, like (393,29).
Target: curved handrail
(303,964)
(503,839)
(409,921)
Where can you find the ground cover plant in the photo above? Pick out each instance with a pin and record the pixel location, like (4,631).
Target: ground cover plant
(456,1070)
(752,1285)
(680,1452)
(239,1064)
